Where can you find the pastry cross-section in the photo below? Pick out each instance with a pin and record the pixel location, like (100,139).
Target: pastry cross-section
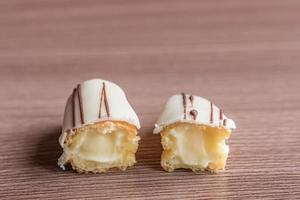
(193,134)
(99,128)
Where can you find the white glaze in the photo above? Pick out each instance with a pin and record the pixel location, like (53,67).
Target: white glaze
(119,107)
(174,112)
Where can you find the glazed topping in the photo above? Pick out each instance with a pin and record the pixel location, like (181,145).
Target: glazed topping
(193,109)
(97,100)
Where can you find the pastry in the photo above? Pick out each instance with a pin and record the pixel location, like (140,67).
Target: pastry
(193,134)
(99,128)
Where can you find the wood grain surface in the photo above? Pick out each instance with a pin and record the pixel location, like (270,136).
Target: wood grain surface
(242,55)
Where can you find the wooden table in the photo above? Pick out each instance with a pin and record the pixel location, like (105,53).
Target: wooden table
(242,55)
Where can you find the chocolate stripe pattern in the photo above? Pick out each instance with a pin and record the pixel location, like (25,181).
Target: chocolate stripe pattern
(220,117)
(80,103)
(191,98)
(224,122)
(211,113)
(184,104)
(103,98)
(194,114)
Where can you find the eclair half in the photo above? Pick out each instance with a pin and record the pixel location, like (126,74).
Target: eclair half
(193,134)
(99,128)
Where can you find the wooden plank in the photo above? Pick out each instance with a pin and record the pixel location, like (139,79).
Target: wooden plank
(243,55)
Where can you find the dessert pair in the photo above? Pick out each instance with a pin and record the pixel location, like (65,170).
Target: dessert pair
(100,131)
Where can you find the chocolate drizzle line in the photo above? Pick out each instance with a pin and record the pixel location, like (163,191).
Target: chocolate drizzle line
(73,107)
(211,113)
(220,116)
(105,100)
(184,104)
(80,103)
(224,122)
(194,113)
(104,96)
(192,100)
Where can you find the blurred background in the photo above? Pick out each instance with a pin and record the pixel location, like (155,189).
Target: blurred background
(243,55)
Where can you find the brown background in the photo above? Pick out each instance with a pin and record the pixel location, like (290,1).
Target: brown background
(242,55)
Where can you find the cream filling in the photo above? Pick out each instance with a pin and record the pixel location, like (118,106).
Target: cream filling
(99,147)
(192,145)
(191,149)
